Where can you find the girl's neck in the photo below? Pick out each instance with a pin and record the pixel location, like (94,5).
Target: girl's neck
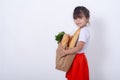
(83,26)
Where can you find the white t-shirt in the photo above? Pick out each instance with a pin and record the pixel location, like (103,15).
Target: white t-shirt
(84,36)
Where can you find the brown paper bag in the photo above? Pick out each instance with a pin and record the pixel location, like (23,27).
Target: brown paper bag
(64,63)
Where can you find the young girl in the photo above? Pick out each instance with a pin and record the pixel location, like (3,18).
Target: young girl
(79,68)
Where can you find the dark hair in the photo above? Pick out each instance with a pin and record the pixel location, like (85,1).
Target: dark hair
(79,11)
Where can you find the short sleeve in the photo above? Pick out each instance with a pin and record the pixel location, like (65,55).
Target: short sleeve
(84,35)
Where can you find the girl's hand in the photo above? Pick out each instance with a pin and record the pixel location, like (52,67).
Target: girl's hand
(64,53)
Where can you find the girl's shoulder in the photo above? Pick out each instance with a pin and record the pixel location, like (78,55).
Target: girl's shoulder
(85,29)
(85,32)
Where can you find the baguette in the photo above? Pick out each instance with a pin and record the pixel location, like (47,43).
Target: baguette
(74,39)
(65,40)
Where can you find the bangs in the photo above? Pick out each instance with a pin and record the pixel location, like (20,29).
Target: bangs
(78,14)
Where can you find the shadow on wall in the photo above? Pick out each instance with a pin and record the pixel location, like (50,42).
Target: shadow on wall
(96,51)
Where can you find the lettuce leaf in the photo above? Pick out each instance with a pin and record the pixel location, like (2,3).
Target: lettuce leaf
(59,36)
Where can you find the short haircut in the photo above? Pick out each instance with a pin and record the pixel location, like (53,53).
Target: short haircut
(79,11)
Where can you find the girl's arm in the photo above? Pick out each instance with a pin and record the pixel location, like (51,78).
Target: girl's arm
(76,49)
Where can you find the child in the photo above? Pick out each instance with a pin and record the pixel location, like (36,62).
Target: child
(79,68)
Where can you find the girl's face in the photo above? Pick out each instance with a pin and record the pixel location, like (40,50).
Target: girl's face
(81,22)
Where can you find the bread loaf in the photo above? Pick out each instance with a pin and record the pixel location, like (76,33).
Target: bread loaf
(74,39)
(65,40)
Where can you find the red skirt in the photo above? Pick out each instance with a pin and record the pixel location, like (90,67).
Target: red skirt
(79,68)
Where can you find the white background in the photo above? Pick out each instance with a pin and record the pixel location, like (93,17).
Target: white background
(27,38)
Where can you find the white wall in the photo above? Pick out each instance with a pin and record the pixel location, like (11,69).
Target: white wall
(27,38)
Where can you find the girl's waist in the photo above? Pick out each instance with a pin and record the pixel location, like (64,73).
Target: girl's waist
(80,53)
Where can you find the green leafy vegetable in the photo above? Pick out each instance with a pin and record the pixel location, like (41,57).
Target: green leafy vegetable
(59,36)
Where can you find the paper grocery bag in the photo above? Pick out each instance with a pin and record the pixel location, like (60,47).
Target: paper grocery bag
(64,63)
